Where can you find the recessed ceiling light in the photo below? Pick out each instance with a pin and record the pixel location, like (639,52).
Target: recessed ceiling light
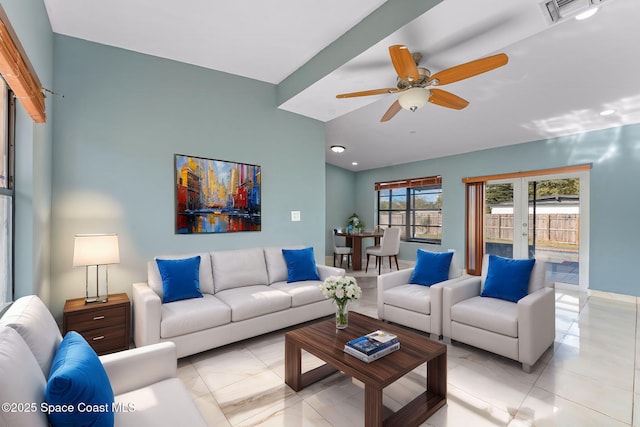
(607,112)
(338,149)
(354,163)
(586,14)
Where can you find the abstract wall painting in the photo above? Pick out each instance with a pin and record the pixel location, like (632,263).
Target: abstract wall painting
(216,196)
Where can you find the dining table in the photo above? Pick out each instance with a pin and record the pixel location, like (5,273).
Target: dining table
(354,240)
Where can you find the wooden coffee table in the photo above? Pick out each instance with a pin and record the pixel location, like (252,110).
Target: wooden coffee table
(325,342)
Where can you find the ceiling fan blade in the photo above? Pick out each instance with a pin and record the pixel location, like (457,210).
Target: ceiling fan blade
(392,111)
(470,69)
(368,92)
(447,99)
(403,63)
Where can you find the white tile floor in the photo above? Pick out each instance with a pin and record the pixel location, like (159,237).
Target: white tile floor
(586,379)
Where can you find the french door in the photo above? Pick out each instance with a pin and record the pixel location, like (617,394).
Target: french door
(543,217)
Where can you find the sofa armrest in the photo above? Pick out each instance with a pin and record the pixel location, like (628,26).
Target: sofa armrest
(388,281)
(455,291)
(325,271)
(147,315)
(139,367)
(536,324)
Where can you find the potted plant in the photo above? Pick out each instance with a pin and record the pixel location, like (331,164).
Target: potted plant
(355,224)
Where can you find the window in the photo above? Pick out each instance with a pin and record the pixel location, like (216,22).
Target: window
(6,194)
(413,205)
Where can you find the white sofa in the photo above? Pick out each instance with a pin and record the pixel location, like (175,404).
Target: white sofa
(416,306)
(143,379)
(245,294)
(521,330)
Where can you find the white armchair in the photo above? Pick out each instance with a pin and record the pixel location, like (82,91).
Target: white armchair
(416,306)
(521,330)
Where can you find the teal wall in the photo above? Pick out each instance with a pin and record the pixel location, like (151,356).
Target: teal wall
(341,191)
(123,117)
(615,158)
(33,156)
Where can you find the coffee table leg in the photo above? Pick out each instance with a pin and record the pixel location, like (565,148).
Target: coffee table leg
(292,365)
(372,406)
(437,375)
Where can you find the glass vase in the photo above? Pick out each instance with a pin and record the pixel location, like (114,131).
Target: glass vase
(342,315)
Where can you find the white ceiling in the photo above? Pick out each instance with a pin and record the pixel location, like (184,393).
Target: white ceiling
(559,76)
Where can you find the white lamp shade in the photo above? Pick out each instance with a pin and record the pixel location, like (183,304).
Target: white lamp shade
(95,249)
(413,98)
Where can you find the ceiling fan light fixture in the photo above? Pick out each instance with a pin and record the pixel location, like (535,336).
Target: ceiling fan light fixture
(413,98)
(338,149)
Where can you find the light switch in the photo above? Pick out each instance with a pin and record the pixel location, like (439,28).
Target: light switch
(295,215)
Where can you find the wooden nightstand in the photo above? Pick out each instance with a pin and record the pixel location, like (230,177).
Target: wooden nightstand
(105,326)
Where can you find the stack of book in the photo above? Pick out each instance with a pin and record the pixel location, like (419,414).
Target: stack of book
(372,346)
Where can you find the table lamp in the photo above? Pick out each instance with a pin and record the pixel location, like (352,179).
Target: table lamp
(96,250)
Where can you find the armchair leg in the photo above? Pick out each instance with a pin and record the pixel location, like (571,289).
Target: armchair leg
(334,259)
(367,267)
(379,262)
(396,258)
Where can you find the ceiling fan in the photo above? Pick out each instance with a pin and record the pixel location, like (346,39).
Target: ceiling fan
(416,86)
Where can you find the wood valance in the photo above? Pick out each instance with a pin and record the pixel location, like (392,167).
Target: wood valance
(15,69)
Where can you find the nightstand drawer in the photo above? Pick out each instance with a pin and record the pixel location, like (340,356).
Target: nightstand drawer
(101,318)
(106,339)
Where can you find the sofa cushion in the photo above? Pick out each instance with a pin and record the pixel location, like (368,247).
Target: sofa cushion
(276,265)
(409,297)
(205,276)
(431,267)
(78,378)
(165,403)
(22,381)
(192,315)
(507,278)
(180,278)
(490,314)
(302,293)
(254,301)
(37,327)
(301,265)
(238,268)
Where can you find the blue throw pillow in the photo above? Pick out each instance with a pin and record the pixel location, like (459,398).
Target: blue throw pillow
(78,381)
(431,267)
(180,278)
(507,278)
(301,265)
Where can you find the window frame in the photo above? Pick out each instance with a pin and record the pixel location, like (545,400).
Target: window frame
(407,189)
(9,189)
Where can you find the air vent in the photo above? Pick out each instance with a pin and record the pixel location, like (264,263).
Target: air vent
(556,10)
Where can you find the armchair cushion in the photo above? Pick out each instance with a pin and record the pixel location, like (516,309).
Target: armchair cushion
(490,314)
(78,378)
(409,297)
(33,321)
(180,278)
(507,279)
(431,267)
(301,265)
(22,381)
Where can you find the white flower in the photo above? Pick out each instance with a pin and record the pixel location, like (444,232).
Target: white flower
(341,289)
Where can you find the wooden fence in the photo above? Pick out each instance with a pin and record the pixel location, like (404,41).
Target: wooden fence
(553,229)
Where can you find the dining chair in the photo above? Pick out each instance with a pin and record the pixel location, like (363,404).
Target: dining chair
(389,247)
(341,251)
